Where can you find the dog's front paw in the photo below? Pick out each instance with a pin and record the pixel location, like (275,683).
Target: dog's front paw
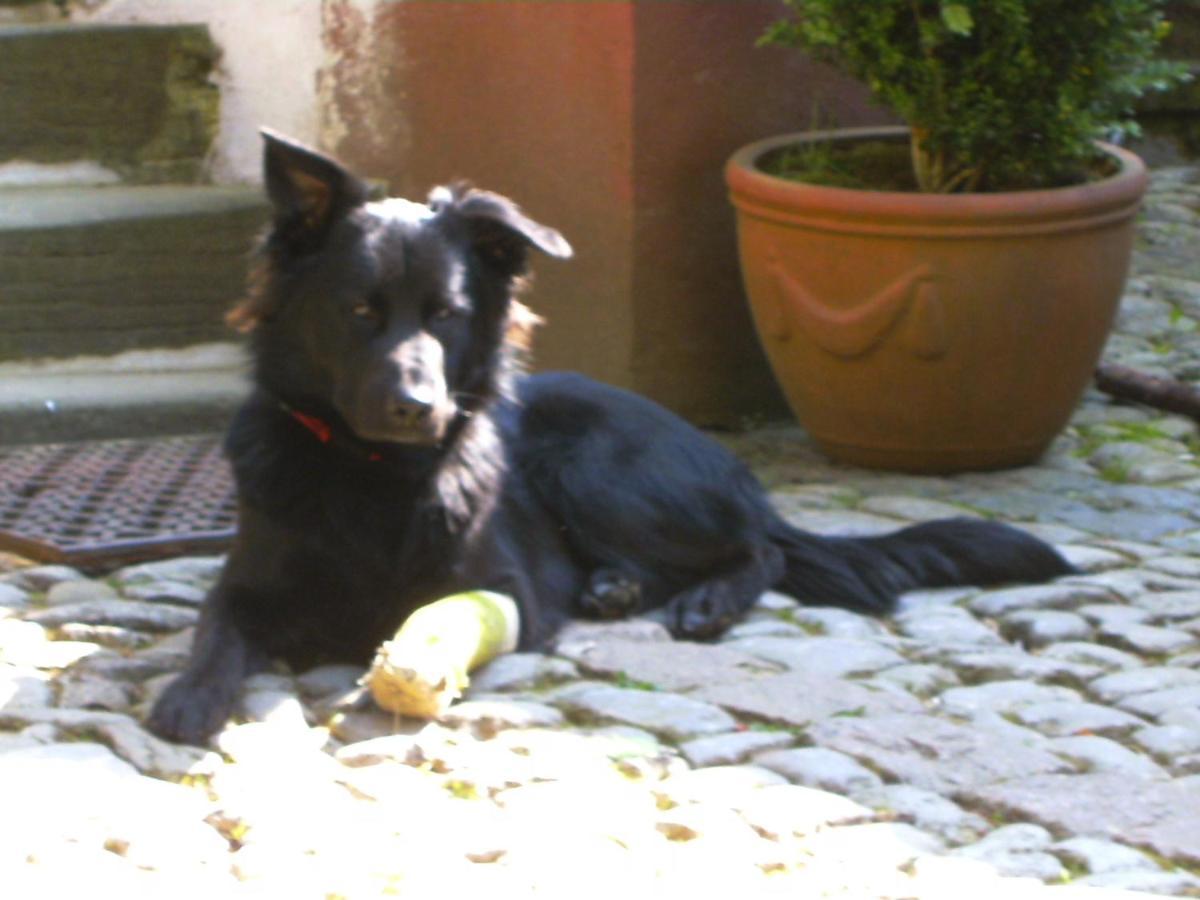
(188,711)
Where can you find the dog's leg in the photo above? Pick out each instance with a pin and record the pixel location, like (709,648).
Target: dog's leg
(704,610)
(201,699)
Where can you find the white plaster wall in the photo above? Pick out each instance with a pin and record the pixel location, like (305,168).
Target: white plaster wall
(272,53)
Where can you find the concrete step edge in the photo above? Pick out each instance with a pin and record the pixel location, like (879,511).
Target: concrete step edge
(59,206)
(136,394)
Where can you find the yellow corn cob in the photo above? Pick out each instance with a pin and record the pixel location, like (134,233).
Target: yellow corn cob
(425,666)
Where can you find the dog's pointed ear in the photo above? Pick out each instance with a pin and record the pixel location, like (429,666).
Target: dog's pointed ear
(307,189)
(500,232)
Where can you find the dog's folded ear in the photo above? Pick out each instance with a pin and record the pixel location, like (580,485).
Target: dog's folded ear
(308,190)
(500,232)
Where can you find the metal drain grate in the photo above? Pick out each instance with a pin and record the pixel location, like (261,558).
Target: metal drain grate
(100,503)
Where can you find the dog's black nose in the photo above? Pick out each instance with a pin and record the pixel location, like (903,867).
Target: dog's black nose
(412,408)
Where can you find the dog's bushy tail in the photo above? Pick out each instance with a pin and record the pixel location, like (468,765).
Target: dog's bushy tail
(867,574)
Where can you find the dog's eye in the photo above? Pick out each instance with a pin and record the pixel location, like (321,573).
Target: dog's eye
(442,313)
(365,311)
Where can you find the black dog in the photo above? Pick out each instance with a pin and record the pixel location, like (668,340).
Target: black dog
(392,453)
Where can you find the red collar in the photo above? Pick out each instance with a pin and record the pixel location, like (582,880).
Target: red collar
(323,431)
(319,427)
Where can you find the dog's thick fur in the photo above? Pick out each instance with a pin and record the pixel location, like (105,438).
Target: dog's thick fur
(392,452)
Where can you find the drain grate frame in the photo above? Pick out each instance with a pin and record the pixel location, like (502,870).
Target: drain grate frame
(101,504)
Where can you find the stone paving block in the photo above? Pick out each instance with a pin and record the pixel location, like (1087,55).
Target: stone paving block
(488,717)
(846,523)
(840,623)
(1092,559)
(84,691)
(1169,606)
(801,698)
(198,570)
(82,590)
(1125,584)
(759,624)
(932,753)
(1037,628)
(1168,742)
(1014,664)
(915,509)
(1099,754)
(1158,704)
(1118,686)
(1113,615)
(126,738)
(522,671)
(1150,640)
(932,598)
(1039,596)
(928,811)
(1096,855)
(822,768)
(828,656)
(1108,659)
(775,602)
(1141,463)
(1160,816)
(112,636)
(136,614)
(1183,566)
(791,809)
(947,626)
(674,665)
(22,686)
(923,680)
(1059,718)
(672,715)
(12,598)
(1172,884)
(1000,697)
(1134,551)
(1017,850)
(180,593)
(733,748)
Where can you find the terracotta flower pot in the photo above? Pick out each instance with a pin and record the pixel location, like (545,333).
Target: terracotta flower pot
(928,332)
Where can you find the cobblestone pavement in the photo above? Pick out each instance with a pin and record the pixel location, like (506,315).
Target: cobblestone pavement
(1024,742)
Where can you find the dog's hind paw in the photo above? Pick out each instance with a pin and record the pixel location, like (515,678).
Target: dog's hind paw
(702,613)
(611,595)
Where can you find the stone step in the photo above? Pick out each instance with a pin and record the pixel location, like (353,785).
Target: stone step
(138,394)
(135,98)
(104,270)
